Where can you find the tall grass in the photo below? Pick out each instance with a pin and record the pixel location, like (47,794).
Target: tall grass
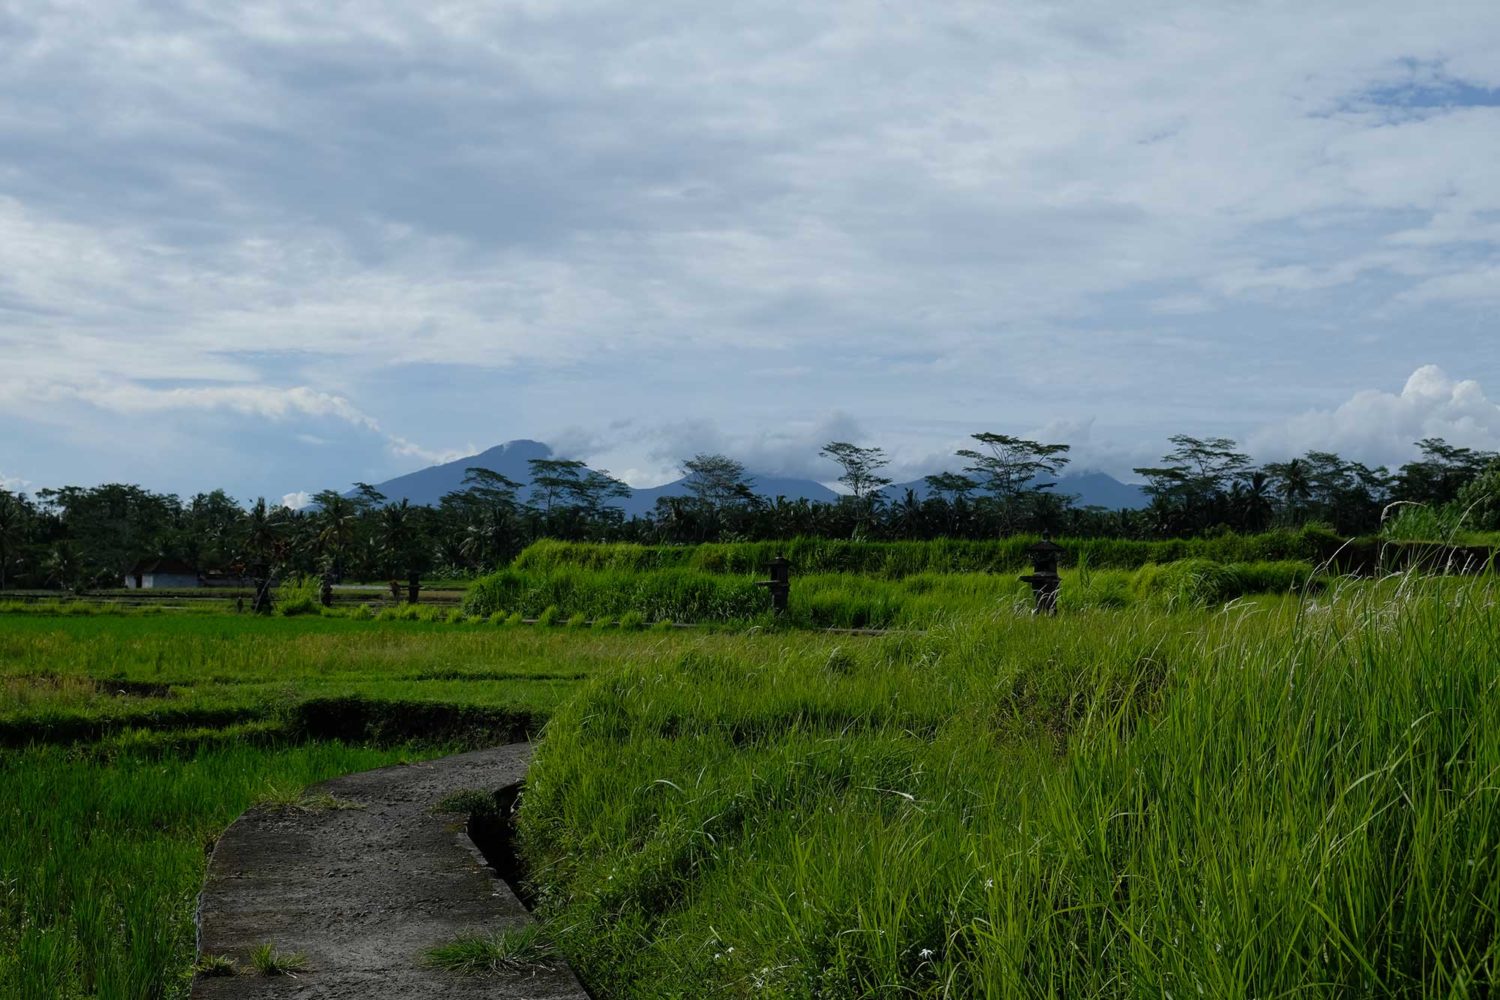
(848,600)
(900,559)
(1298,799)
(667,594)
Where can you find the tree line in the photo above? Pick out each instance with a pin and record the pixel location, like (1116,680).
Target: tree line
(91,537)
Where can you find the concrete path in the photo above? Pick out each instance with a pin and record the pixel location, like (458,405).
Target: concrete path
(364,892)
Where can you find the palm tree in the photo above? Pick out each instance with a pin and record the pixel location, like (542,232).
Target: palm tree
(12,531)
(908,514)
(1252,497)
(261,541)
(261,534)
(1294,485)
(338,525)
(400,529)
(62,566)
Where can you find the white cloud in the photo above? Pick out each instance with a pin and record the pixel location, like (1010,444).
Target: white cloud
(578,209)
(1381,427)
(296,501)
(1479,284)
(264,402)
(268,402)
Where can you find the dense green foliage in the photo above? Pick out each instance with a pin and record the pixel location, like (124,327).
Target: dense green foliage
(1288,800)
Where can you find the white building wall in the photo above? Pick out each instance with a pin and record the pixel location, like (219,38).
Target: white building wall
(168,581)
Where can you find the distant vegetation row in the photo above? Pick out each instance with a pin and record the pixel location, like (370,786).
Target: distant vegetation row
(847,600)
(1204,490)
(1310,544)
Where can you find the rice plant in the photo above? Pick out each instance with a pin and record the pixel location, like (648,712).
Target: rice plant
(1278,799)
(512,950)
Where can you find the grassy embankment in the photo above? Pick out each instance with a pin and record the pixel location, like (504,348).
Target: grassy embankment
(883,584)
(1284,799)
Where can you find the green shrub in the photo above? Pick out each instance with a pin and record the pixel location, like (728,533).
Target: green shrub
(1202,582)
(299,597)
(1275,577)
(686,595)
(632,620)
(549,616)
(577,620)
(1478,503)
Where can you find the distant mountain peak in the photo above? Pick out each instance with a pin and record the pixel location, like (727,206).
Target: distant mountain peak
(522,448)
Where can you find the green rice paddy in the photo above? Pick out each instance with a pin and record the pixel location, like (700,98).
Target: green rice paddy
(1194,790)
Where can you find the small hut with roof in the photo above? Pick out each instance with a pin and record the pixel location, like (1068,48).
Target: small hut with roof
(162,574)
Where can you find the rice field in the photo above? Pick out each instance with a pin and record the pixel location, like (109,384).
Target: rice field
(128,741)
(1193,791)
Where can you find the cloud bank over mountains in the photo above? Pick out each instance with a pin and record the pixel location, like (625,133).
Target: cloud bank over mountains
(255,244)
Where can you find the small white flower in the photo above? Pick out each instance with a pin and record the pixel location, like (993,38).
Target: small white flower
(989,883)
(925,953)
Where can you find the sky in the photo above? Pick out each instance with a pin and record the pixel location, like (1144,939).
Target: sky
(278,247)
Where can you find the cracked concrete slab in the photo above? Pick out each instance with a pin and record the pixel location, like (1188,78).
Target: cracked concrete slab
(365,889)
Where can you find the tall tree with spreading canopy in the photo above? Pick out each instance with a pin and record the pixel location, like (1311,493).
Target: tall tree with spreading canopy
(861,468)
(1013,471)
(486,510)
(1190,489)
(552,479)
(716,481)
(861,476)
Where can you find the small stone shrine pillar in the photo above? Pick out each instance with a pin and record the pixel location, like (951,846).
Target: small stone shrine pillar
(780,584)
(1044,578)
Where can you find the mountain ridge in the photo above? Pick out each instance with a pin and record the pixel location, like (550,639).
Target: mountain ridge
(428,486)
